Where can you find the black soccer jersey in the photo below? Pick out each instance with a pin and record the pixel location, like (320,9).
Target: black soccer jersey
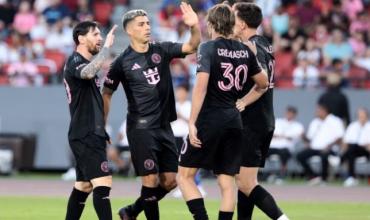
(260,114)
(147,82)
(85,100)
(230,64)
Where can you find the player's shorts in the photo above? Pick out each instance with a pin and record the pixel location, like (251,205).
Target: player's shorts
(255,148)
(153,150)
(220,151)
(91,157)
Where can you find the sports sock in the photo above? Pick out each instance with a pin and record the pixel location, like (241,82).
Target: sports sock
(102,202)
(225,215)
(150,203)
(137,207)
(245,206)
(197,209)
(76,204)
(264,201)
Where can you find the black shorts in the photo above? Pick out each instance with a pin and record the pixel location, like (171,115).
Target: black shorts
(153,150)
(256,145)
(91,157)
(220,151)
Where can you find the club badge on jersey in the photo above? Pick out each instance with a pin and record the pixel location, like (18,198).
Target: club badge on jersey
(152,76)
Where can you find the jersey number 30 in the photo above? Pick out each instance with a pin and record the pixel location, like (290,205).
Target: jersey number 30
(234,79)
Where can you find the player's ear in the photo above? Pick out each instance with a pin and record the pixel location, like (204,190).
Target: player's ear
(81,39)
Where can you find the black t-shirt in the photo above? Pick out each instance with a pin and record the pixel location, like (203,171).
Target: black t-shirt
(85,100)
(146,79)
(260,114)
(230,64)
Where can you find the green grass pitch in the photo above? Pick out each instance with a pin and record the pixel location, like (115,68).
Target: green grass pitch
(40,208)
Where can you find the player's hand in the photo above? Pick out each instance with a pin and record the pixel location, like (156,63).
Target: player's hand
(110,37)
(240,105)
(194,141)
(252,46)
(189,17)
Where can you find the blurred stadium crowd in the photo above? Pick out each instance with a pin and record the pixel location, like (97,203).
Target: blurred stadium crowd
(312,38)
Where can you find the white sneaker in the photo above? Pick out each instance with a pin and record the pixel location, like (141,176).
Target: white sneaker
(283,217)
(202,191)
(350,182)
(177,193)
(315,181)
(70,175)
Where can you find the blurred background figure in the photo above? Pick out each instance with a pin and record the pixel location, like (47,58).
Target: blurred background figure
(356,144)
(288,131)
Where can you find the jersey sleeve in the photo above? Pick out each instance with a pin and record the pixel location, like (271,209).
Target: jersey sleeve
(173,50)
(76,67)
(204,58)
(253,68)
(113,77)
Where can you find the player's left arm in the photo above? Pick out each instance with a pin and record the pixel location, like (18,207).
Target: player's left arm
(260,79)
(190,18)
(199,93)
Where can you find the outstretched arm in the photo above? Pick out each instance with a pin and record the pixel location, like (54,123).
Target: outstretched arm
(190,18)
(91,69)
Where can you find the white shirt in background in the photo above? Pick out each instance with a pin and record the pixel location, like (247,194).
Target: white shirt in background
(364,139)
(354,132)
(321,133)
(291,130)
(180,126)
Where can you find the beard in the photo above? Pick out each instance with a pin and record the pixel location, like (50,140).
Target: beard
(94,50)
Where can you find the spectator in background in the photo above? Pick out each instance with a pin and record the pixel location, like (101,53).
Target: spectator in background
(363,61)
(83,12)
(355,141)
(352,8)
(7,12)
(24,73)
(305,75)
(179,74)
(338,47)
(307,14)
(310,52)
(287,133)
(280,21)
(361,24)
(357,42)
(59,37)
(25,19)
(321,35)
(56,11)
(335,18)
(334,99)
(268,7)
(324,132)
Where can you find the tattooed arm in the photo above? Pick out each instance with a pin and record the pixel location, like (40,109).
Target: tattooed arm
(91,69)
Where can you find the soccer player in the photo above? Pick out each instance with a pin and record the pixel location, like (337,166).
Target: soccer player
(143,69)
(258,118)
(87,136)
(215,126)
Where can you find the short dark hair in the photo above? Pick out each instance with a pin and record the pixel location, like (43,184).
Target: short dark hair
(250,13)
(83,28)
(131,15)
(292,109)
(232,2)
(222,19)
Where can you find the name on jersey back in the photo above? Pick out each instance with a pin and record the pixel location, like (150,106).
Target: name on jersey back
(232,53)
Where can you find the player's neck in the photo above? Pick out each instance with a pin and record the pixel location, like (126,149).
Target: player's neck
(217,35)
(139,47)
(248,33)
(83,51)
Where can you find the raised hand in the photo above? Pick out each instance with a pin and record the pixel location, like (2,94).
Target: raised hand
(189,17)
(110,37)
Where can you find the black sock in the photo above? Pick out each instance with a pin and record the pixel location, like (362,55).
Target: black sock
(225,215)
(197,209)
(150,203)
(137,207)
(264,201)
(245,206)
(102,202)
(76,204)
